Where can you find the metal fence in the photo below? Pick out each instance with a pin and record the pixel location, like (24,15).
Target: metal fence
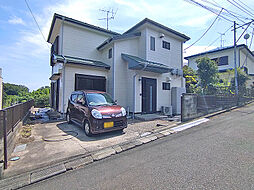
(9,118)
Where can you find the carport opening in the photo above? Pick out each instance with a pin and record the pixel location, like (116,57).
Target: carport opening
(90,82)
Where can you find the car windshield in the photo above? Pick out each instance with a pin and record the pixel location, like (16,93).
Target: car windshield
(99,99)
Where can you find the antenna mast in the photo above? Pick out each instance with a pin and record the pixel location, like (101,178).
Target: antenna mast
(221,40)
(109,11)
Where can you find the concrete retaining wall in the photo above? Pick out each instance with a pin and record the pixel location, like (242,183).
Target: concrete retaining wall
(194,105)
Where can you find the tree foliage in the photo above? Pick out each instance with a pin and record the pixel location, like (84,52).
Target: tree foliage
(13,94)
(208,73)
(242,78)
(191,79)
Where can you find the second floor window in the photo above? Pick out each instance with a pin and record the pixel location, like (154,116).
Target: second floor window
(166,45)
(221,60)
(110,53)
(152,43)
(55,46)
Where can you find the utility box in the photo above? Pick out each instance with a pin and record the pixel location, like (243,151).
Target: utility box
(176,93)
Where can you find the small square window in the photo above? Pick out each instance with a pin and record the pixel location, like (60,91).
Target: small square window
(152,43)
(166,45)
(110,53)
(165,86)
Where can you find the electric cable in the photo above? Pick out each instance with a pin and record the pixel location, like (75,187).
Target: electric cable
(239,8)
(36,22)
(244,8)
(204,32)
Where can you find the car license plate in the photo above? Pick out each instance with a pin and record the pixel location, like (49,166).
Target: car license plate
(108,124)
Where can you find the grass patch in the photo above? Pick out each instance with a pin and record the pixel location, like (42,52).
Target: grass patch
(26,131)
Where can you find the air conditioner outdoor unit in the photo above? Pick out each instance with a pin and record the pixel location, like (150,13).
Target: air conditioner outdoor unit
(166,110)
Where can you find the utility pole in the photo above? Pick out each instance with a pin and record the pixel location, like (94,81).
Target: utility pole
(108,17)
(236,81)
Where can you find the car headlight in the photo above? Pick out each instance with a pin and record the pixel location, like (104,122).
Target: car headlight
(96,114)
(123,111)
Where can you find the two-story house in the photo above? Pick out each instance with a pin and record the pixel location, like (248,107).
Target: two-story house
(224,57)
(138,68)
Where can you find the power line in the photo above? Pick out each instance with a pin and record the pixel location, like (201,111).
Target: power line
(205,31)
(251,38)
(218,37)
(246,5)
(239,8)
(215,11)
(36,22)
(243,7)
(229,12)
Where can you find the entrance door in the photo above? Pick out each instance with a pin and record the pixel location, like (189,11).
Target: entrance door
(149,93)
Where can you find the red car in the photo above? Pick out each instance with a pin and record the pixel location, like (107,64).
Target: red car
(96,112)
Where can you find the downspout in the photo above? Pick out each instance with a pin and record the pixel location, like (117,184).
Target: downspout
(182,63)
(134,90)
(113,70)
(64,62)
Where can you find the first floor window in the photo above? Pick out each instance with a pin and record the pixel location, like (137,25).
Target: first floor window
(165,86)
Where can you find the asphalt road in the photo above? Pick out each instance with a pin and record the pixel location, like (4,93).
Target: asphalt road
(218,154)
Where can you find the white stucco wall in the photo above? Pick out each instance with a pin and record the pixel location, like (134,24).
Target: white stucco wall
(122,82)
(230,53)
(172,57)
(70,71)
(82,42)
(248,61)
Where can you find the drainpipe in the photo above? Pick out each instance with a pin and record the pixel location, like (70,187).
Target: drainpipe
(134,89)
(64,62)
(113,70)
(182,64)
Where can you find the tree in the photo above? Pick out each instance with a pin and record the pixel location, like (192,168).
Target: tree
(13,94)
(190,79)
(242,77)
(208,74)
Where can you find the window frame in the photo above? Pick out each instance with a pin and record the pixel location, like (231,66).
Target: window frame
(110,53)
(218,60)
(165,45)
(152,45)
(166,85)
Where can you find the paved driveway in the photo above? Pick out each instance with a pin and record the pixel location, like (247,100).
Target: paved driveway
(53,142)
(217,154)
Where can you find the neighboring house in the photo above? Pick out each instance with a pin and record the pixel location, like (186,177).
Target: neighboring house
(224,58)
(1,90)
(138,68)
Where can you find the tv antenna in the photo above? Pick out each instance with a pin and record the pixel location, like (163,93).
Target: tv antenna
(221,39)
(110,15)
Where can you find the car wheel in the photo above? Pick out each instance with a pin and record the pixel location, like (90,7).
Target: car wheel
(68,118)
(87,129)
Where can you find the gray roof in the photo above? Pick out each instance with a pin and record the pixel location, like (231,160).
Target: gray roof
(146,20)
(58,16)
(81,61)
(220,49)
(137,63)
(118,37)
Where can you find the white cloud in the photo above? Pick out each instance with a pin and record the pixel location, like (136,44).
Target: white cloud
(16,20)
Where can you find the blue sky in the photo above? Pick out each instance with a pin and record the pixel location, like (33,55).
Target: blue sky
(24,54)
